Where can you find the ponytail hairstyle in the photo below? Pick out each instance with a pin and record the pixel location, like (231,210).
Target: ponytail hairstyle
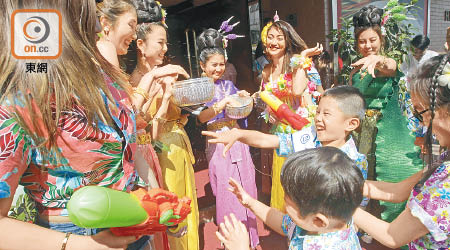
(210,42)
(294,43)
(368,18)
(425,84)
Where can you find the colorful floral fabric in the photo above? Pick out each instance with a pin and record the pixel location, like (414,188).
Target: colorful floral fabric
(404,101)
(100,156)
(431,205)
(340,240)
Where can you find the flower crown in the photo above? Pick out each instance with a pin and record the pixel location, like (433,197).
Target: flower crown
(266,28)
(225,28)
(444,79)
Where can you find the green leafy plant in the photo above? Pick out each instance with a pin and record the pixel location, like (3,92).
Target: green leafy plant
(397,36)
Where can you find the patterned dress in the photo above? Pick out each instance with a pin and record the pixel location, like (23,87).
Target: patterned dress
(89,156)
(282,88)
(431,205)
(237,164)
(345,239)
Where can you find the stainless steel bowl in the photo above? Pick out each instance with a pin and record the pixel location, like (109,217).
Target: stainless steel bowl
(193,91)
(242,110)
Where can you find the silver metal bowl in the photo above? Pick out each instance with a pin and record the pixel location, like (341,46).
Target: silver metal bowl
(193,91)
(242,110)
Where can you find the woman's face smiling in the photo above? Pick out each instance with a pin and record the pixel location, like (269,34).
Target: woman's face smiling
(155,46)
(369,43)
(123,32)
(276,42)
(214,66)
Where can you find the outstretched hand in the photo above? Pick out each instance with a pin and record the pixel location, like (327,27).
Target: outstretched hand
(234,234)
(368,63)
(243,197)
(312,51)
(228,138)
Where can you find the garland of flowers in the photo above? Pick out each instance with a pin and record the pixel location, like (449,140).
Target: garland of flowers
(281,87)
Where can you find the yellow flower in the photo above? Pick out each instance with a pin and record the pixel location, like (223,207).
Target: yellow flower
(264,33)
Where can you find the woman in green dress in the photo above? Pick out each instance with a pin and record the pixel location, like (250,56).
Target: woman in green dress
(384,137)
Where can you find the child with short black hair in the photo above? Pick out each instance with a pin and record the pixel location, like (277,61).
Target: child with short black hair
(323,188)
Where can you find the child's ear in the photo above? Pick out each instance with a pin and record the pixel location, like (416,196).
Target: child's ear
(202,65)
(140,44)
(352,124)
(320,221)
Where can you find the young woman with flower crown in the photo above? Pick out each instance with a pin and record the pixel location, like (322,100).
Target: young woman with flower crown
(288,77)
(236,164)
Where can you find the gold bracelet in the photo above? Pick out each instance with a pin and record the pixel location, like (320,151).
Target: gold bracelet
(216,108)
(141,92)
(64,243)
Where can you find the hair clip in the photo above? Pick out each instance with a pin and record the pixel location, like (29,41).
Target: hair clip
(276,18)
(225,27)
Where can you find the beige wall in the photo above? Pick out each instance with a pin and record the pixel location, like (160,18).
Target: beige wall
(438,26)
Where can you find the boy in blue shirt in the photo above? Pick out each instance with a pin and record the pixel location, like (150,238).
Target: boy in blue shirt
(323,189)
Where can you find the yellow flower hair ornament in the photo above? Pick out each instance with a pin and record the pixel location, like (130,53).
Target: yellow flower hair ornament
(444,79)
(264,33)
(266,28)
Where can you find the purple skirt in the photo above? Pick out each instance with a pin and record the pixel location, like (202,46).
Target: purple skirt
(237,164)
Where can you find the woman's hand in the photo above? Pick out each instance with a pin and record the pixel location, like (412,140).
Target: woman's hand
(167,83)
(310,52)
(243,93)
(169,70)
(243,197)
(234,234)
(370,63)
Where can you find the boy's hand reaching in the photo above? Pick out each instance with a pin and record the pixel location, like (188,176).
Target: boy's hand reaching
(243,197)
(234,234)
(227,137)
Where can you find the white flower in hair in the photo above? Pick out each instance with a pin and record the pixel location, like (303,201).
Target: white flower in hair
(444,79)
